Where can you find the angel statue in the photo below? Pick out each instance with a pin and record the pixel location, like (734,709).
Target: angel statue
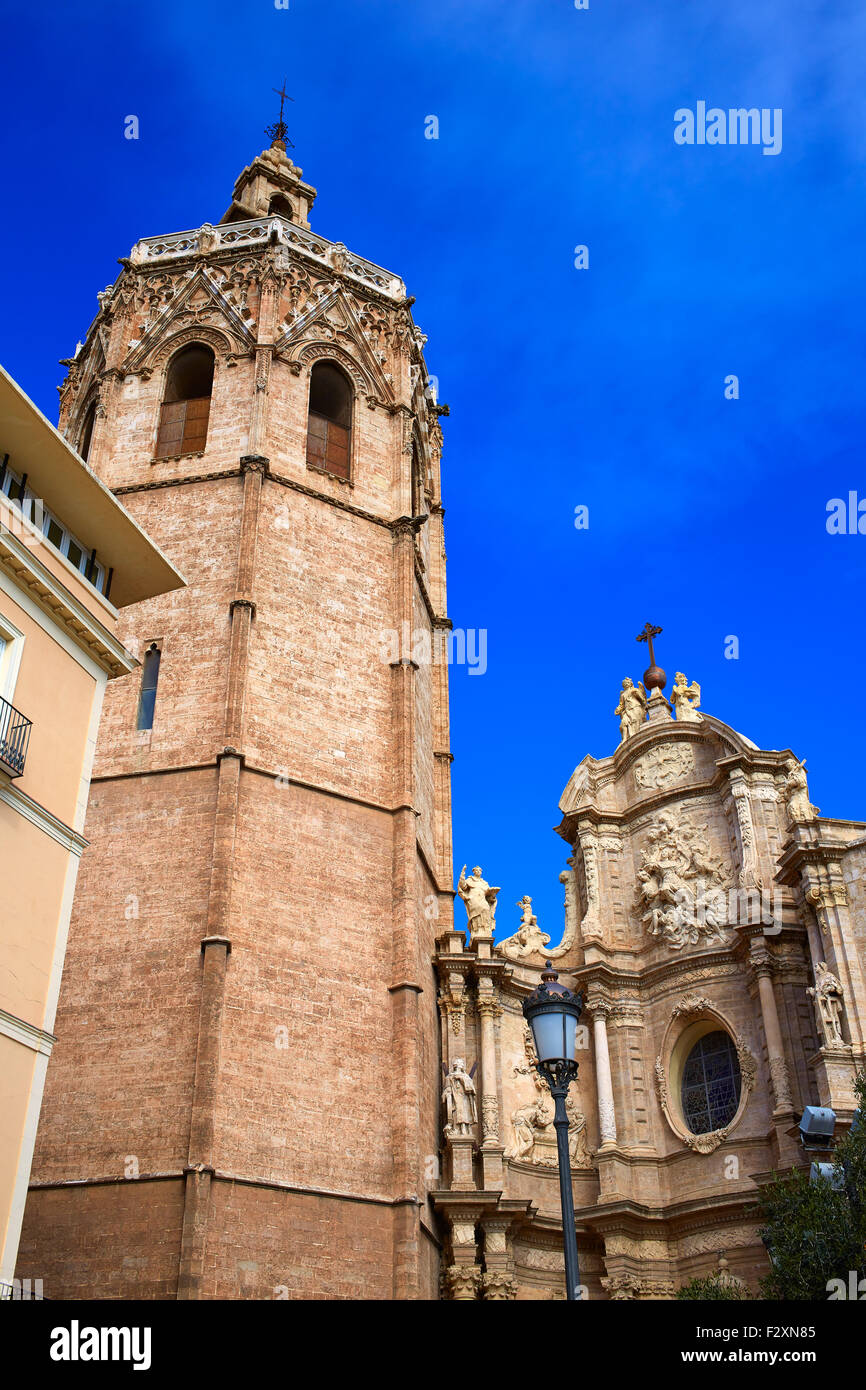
(631,708)
(686,699)
(529,937)
(796,793)
(480,900)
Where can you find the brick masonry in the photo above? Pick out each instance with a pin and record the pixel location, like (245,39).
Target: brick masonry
(247,1118)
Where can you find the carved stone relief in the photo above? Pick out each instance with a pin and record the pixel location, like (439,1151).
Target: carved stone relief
(683,895)
(664,766)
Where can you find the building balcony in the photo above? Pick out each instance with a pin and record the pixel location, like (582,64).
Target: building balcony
(14,739)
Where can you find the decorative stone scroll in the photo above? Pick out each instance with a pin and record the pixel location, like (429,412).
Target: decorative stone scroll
(748,874)
(570,906)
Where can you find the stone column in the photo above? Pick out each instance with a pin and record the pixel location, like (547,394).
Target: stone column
(603,1080)
(491,1145)
(762,965)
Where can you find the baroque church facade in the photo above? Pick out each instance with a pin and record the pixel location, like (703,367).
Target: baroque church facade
(716,926)
(283,1069)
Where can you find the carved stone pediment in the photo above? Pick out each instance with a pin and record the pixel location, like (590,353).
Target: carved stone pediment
(332,320)
(199,302)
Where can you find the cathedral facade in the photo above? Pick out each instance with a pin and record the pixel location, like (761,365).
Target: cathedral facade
(716,926)
(281,1070)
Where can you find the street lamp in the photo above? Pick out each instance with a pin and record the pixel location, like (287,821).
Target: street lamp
(552,1012)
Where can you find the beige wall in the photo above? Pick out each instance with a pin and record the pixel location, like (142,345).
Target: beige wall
(59,687)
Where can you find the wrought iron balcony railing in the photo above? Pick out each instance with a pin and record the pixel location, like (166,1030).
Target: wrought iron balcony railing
(29,1290)
(14,739)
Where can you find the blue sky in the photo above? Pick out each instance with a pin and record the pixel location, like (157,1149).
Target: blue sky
(602,387)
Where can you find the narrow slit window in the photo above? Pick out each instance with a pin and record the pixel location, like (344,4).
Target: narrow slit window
(185,409)
(87,432)
(329,424)
(149,681)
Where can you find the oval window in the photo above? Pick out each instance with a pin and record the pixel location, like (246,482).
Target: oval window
(710,1090)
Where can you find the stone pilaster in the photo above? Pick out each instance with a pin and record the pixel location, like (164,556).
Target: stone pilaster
(763,970)
(603,1080)
(492,1147)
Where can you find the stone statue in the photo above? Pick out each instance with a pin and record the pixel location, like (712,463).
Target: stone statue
(796,794)
(528,1123)
(686,699)
(828,995)
(480,900)
(578,1149)
(631,708)
(458,1097)
(528,938)
(524,1134)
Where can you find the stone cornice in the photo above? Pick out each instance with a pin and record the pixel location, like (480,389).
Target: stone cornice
(26,1033)
(224,241)
(676,1220)
(799,855)
(41,817)
(85,630)
(654,801)
(178,482)
(613,981)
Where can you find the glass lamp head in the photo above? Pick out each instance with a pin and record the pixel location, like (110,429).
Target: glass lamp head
(553,1012)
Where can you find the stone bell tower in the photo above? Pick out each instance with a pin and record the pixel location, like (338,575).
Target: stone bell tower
(238,1105)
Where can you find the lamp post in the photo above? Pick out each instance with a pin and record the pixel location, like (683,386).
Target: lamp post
(552,1012)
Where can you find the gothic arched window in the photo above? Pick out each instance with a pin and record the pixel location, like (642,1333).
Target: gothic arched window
(710,1090)
(329,424)
(185,406)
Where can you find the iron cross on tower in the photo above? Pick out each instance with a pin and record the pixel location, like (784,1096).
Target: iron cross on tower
(654,677)
(279,129)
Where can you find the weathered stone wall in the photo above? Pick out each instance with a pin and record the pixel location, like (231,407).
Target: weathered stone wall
(286,809)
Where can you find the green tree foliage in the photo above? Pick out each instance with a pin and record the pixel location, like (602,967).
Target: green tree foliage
(815,1233)
(713,1287)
